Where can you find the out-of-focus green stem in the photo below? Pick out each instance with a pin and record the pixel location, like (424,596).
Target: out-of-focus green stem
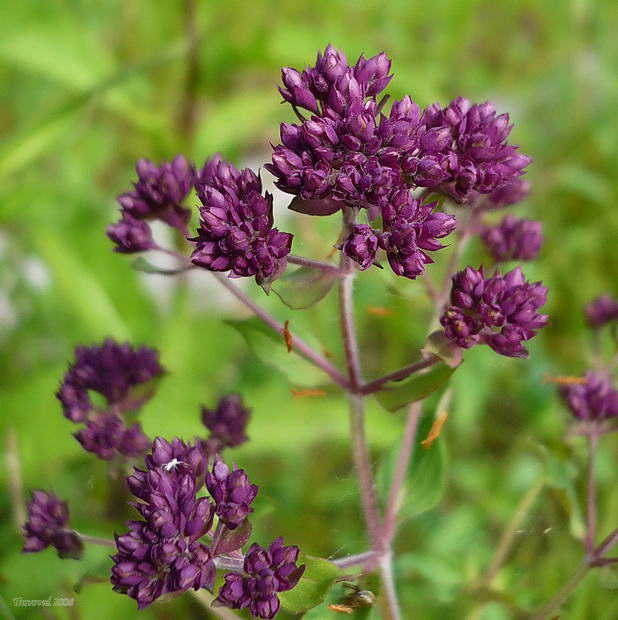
(563,594)
(508,535)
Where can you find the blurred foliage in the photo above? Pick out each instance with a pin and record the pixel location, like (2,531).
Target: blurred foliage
(90,86)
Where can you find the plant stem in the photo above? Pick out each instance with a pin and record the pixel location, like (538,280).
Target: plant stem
(363,470)
(206,598)
(16,487)
(315,264)
(563,594)
(403,460)
(508,535)
(607,544)
(591,498)
(348,332)
(298,345)
(354,560)
(389,602)
(226,563)
(366,483)
(95,540)
(398,375)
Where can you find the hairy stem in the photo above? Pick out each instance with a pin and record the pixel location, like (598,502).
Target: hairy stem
(508,535)
(388,600)
(591,491)
(607,544)
(563,594)
(95,540)
(315,264)
(363,470)
(354,560)
(397,375)
(403,461)
(298,345)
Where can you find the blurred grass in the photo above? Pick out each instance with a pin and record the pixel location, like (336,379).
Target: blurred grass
(88,87)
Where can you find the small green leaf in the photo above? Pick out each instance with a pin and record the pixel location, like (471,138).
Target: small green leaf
(270,348)
(141,264)
(397,394)
(424,483)
(439,345)
(311,590)
(304,287)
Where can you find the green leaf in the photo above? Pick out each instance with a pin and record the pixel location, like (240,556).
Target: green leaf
(439,345)
(304,287)
(397,394)
(311,590)
(270,348)
(424,482)
(141,264)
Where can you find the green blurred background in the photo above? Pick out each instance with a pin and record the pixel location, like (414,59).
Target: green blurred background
(90,86)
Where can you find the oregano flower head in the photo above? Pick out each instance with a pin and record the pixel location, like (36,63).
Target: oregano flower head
(513,239)
(500,311)
(48,525)
(161,553)
(267,572)
(603,310)
(233,493)
(236,231)
(595,400)
(227,423)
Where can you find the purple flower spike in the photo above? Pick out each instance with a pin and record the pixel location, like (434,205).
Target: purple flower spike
(120,374)
(410,230)
(159,192)
(268,571)
(594,401)
(468,147)
(48,524)
(513,239)
(500,311)
(113,370)
(106,435)
(602,310)
(236,231)
(130,235)
(161,554)
(361,245)
(232,493)
(227,423)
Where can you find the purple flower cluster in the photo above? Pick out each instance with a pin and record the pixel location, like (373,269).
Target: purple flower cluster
(161,554)
(121,375)
(227,423)
(593,401)
(410,229)
(232,492)
(267,571)
(236,231)
(469,149)
(350,152)
(158,194)
(603,310)
(500,311)
(513,239)
(48,524)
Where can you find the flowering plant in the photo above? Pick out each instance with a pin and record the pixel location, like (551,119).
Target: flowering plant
(405,183)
